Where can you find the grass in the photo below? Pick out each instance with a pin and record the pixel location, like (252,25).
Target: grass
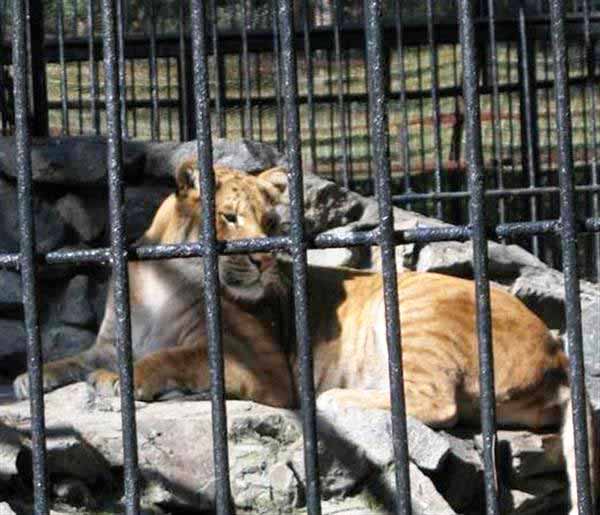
(328,134)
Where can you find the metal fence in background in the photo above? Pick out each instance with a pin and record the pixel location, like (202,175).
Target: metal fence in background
(538,79)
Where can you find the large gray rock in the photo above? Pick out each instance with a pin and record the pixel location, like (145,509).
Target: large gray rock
(74,306)
(12,337)
(10,291)
(71,161)
(542,289)
(141,204)
(162,159)
(265,456)
(50,229)
(456,258)
(87,217)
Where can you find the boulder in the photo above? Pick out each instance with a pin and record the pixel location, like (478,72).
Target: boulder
(265,456)
(71,161)
(50,230)
(87,217)
(10,292)
(74,306)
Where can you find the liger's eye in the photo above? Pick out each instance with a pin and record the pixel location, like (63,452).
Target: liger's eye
(230,217)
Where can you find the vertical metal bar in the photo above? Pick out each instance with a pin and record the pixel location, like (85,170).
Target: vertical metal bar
(218,75)
(64,98)
(310,84)
(133,97)
(246,79)
(343,134)
(153,73)
(277,76)
(592,88)
(93,68)
(184,80)
(210,259)
(118,246)
(298,251)
(404,137)
(39,92)
(121,29)
(169,98)
(80,96)
(529,124)
(496,120)
(435,106)
(421,115)
(482,292)
(27,261)
(380,151)
(569,253)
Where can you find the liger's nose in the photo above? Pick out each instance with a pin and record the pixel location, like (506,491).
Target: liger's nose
(262,261)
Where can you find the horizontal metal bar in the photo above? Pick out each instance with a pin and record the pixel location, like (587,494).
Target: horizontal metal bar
(513,192)
(365,237)
(230,42)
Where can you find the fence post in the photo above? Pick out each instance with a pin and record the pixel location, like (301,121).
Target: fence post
(39,94)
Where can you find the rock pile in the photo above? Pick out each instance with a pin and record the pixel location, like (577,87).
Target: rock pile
(265,444)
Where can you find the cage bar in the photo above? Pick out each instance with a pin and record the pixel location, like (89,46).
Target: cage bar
(569,256)
(118,259)
(380,151)
(475,172)
(210,259)
(289,85)
(26,262)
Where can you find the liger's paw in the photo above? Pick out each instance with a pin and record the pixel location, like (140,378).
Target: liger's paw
(21,384)
(104,382)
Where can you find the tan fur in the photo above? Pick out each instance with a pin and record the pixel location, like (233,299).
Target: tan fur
(347,327)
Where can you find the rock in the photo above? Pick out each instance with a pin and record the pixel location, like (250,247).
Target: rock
(12,338)
(528,454)
(74,305)
(456,258)
(591,336)
(71,161)
(542,290)
(546,495)
(10,292)
(249,156)
(69,456)
(50,229)
(60,341)
(5,509)
(73,492)
(141,204)
(10,449)
(461,480)
(425,499)
(87,218)
(326,205)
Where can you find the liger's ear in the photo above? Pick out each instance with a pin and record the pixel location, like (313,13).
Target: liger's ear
(275,176)
(186,178)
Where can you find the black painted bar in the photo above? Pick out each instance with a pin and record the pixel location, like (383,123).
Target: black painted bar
(93,67)
(569,256)
(381,164)
(210,259)
(153,72)
(475,170)
(435,107)
(26,261)
(289,87)
(121,29)
(64,100)
(118,257)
